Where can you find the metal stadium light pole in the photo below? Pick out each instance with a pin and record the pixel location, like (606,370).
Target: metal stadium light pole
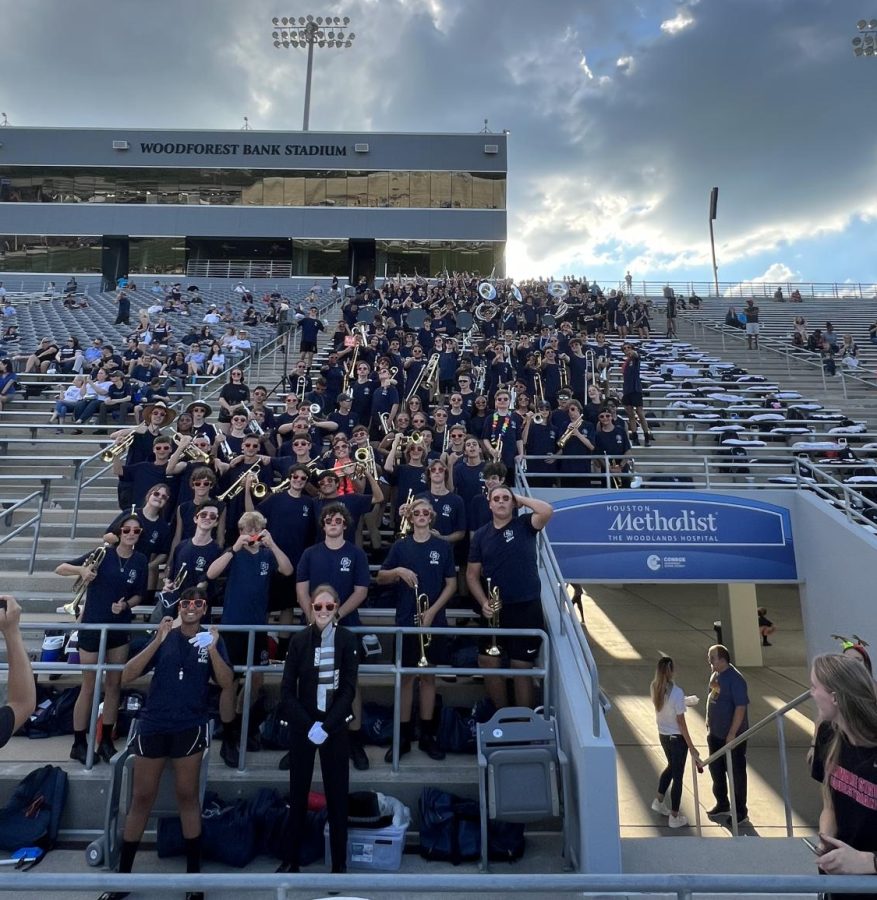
(714,202)
(865,42)
(305,31)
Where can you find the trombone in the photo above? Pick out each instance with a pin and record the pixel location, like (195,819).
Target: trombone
(80,586)
(253,426)
(259,489)
(422,603)
(495,603)
(571,429)
(117,449)
(365,457)
(176,584)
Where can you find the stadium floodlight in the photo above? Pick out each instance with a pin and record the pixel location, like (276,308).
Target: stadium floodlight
(865,42)
(307,33)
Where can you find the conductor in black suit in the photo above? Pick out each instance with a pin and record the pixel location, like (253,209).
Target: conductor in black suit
(319,683)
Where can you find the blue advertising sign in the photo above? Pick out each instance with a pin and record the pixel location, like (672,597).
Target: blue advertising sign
(671,536)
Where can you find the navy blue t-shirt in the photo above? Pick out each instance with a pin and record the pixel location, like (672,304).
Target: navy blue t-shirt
(310,328)
(198,559)
(450,512)
(155,537)
(433,561)
(468,481)
(143,476)
(178,694)
(407,478)
(384,399)
(345,569)
(508,557)
(117,579)
(361,394)
(507,429)
(291,521)
(246,587)
(356,504)
(612,443)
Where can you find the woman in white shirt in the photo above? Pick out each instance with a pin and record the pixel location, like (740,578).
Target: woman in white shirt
(67,400)
(670,703)
(94,394)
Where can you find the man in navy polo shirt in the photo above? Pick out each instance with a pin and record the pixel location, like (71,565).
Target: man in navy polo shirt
(503,552)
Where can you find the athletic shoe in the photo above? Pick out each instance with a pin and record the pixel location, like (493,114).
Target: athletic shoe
(741,820)
(660,806)
(677,821)
(719,810)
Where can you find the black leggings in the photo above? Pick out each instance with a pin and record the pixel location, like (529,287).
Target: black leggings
(676,751)
(334,756)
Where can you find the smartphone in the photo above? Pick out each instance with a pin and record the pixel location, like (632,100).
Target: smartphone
(3,603)
(814,848)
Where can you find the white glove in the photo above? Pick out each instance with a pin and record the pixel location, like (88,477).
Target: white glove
(202,640)
(317,734)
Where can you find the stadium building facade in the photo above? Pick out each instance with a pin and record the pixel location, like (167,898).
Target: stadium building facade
(298,203)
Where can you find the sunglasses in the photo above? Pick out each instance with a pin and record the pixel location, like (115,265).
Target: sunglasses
(604,416)
(251,446)
(420,512)
(334,520)
(319,607)
(203,482)
(193,603)
(207,515)
(131,529)
(299,477)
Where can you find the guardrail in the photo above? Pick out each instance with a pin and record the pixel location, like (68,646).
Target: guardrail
(396,669)
(836,290)
(684,887)
(803,357)
(776,716)
(566,609)
(36,520)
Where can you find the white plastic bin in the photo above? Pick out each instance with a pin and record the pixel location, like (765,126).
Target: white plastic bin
(377,849)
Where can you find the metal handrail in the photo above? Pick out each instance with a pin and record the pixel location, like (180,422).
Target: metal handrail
(565,608)
(684,887)
(777,715)
(735,290)
(395,668)
(35,521)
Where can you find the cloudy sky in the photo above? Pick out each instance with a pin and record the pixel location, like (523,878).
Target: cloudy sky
(622,115)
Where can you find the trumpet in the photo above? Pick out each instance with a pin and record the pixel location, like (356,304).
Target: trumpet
(80,586)
(422,603)
(253,426)
(385,422)
(538,420)
(259,489)
(540,388)
(493,618)
(406,439)
(192,451)
(118,448)
(227,452)
(405,527)
(571,429)
(176,584)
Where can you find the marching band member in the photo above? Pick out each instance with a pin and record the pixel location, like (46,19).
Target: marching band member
(339,563)
(504,551)
(502,434)
(116,583)
(318,687)
(423,564)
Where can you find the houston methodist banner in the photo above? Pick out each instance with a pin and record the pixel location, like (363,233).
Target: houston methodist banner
(671,536)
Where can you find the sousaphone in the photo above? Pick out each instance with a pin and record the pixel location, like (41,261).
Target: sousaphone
(486,291)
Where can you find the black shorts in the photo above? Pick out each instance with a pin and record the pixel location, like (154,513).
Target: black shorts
(308,347)
(176,745)
(89,639)
(517,615)
(437,652)
(236,645)
(634,399)
(281,593)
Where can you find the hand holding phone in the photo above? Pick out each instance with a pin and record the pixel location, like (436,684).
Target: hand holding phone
(814,848)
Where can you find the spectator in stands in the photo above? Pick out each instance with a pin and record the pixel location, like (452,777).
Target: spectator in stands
(796,296)
(215,359)
(814,342)
(8,383)
(778,295)
(67,400)
(93,353)
(123,314)
(827,353)
(70,357)
(669,702)
(43,357)
(849,352)
(830,335)
(799,332)
(118,401)
(845,696)
(731,318)
(195,361)
(96,390)
(872,333)
(750,313)
(241,344)
(71,287)
(212,317)
(21,695)
(726,717)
